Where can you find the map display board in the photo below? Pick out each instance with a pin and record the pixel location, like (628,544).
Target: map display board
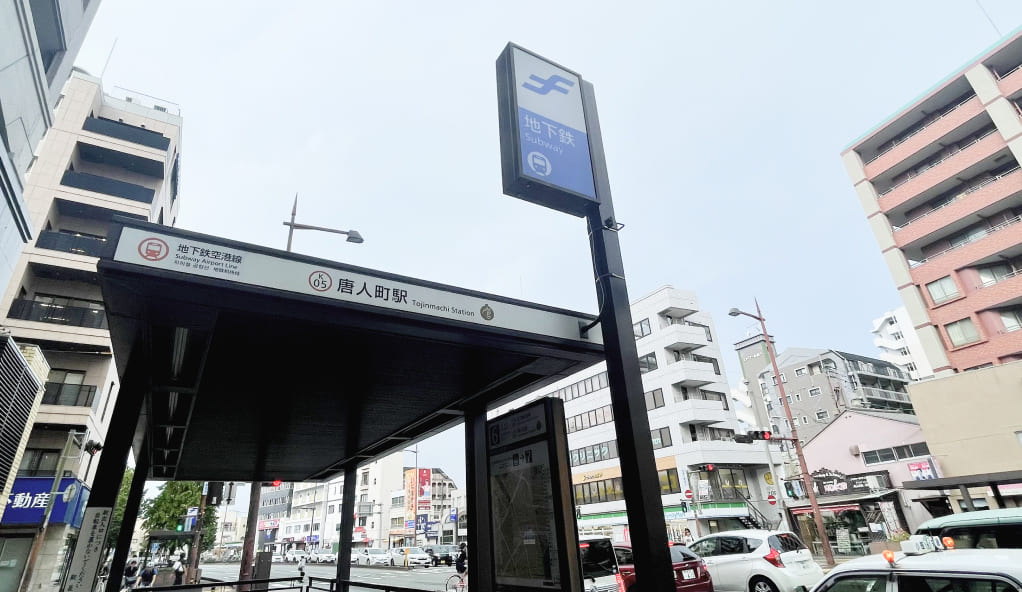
(534,540)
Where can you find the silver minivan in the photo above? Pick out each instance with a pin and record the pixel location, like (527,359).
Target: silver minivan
(599,565)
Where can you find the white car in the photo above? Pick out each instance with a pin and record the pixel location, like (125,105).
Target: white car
(924,570)
(322,556)
(370,557)
(416,556)
(276,558)
(293,555)
(758,561)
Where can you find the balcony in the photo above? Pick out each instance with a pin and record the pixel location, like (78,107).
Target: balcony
(108,186)
(128,133)
(885,396)
(70,243)
(689,374)
(905,146)
(1011,82)
(69,395)
(720,452)
(982,244)
(59,314)
(682,337)
(988,296)
(971,201)
(968,155)
(700,412)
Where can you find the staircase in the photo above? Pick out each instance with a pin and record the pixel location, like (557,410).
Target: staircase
(755,520)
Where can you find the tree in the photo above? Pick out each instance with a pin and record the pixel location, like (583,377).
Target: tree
(122,501)
(165,510)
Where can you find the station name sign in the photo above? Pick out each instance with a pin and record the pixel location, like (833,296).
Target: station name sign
(199,257)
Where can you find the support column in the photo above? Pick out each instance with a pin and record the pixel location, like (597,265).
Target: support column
(964,490)
(997,495)
(480,530)
(347,526)
(251,532)
(123,542)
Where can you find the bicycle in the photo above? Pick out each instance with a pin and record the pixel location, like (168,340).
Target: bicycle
(457,583)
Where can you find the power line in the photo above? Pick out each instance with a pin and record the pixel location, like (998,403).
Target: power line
(986,14)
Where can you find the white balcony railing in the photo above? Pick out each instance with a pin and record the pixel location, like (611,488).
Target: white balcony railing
(961,195)
(976,237)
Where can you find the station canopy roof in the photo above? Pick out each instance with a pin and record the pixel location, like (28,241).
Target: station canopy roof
(258,364)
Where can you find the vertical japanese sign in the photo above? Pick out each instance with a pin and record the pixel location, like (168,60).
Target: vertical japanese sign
(81,576)
(411,495)
(424,495)
(544,140)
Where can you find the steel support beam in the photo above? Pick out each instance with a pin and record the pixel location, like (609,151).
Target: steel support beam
(480,528)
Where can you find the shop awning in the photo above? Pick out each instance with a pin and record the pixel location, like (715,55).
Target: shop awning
(978,480)
(839,503)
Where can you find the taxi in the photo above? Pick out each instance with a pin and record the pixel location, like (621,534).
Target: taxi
(928,564)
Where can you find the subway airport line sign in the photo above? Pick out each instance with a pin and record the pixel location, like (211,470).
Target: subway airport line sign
(544,135)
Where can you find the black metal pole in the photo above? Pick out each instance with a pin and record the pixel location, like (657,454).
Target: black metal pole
(480,530)
(653,568)
(347,526)
(131,508)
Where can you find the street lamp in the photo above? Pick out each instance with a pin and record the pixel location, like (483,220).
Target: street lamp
(415,496)
(828,554)
(353,235)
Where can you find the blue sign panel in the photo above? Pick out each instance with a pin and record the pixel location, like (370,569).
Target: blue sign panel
(420,522)
(409,524)
(544,132)
(454,515)
(29,497)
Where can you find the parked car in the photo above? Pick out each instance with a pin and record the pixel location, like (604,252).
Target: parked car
(599,565)
(923,569)
(293,555)
(276,558)
(416,556)
(690,573)
(444,554)
(321,556)
(757,561)
(985,529)
(370,557)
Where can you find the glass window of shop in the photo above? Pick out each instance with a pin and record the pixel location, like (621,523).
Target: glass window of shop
(725,484)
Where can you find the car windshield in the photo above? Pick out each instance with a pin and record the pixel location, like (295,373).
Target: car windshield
(598,558)
(375,551)
(785,542)
(681,553)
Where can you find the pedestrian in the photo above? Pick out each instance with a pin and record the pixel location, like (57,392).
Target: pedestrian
(462,559)
(686,538)
(301,567)
(179,570)
(130,574)
(147,575)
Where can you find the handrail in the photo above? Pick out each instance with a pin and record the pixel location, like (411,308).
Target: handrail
(759,516)
(331,584)
(902,139)
(997,280)
(961,195)
(930,165)
(343,586)
(216,584)
(987,232)
(1008,73)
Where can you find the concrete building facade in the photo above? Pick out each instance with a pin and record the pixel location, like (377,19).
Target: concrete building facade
(942,189)
(38,45)
(899,344)
(103,156)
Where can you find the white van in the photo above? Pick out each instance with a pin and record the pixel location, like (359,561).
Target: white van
(599,565)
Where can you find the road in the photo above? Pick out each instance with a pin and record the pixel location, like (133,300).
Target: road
(421,578)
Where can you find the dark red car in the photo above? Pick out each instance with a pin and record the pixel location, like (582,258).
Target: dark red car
(690,573)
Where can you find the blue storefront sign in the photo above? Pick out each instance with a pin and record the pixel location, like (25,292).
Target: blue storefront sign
(420,522)
(432,528)
(29,496)
(454,515)
(545,143)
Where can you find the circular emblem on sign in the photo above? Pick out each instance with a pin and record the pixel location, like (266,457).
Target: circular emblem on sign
(688,494)
(69,493)
(153,249)
(320,281)
(539,164)
(772,499)
(486,312)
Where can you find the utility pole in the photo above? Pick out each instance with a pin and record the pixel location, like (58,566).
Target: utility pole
(193,561)
(251,531)
(807,478)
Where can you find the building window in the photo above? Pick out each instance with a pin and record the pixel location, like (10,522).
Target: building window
(910,367)
(593,453)
(800,371)
(669,482)
(589,419)
(962,332)
(882,455)
(708,360)
(605,490)
(647,363)
(821,415)
(1012,319)
(942,290)
(654,399)
(798,396)
(814,392)
(805,420)
(661,438)
(365,479)
(39,462)
(641,329)
(773,379)
(582,387)
(783,377)
(897,336)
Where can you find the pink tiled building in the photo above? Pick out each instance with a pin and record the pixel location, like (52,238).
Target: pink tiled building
(942,188)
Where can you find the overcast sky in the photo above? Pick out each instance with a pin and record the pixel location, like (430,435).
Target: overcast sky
(723,123)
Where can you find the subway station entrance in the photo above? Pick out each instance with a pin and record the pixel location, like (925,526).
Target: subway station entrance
(242,363)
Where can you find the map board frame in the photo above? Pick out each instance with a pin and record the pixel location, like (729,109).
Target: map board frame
(533,512)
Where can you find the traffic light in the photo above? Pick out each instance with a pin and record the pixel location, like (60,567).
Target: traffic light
(706,468)
(760,435)
(92,447)
(180,527)
(752,436)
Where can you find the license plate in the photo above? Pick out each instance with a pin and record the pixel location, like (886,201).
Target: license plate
(688,574)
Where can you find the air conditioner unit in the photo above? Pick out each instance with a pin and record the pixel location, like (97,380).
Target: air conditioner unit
(854,450)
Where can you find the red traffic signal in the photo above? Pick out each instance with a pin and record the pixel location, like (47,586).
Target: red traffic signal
(277,482)
(706,468)
(760,435)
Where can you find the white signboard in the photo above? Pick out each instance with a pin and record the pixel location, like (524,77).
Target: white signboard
(515,427)
(88,554)
(202,258)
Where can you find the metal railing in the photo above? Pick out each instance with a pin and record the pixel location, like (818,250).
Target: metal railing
(979,236)
(886,395)
(70,243)
(932,164)
(108,186)
(902,139)
(211,585)
(60,314)
(345,585)
(69,395)
(1000,279)
(961,195)
(1008,73)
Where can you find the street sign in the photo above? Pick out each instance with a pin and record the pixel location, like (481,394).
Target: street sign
(193,511)
(772,500)
(688,494)
(544,140)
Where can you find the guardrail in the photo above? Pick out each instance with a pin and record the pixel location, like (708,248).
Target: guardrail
(296,583)
(979,236)
(929,165)
(961,195)
(902,139)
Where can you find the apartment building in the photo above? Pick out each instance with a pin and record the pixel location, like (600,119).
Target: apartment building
(819,384)
(38,45)
(899,344)
(23,370)
(692,420)
(942,190)
(274,506)
(104,156)
(432,518)
(376,480)
(303,527)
